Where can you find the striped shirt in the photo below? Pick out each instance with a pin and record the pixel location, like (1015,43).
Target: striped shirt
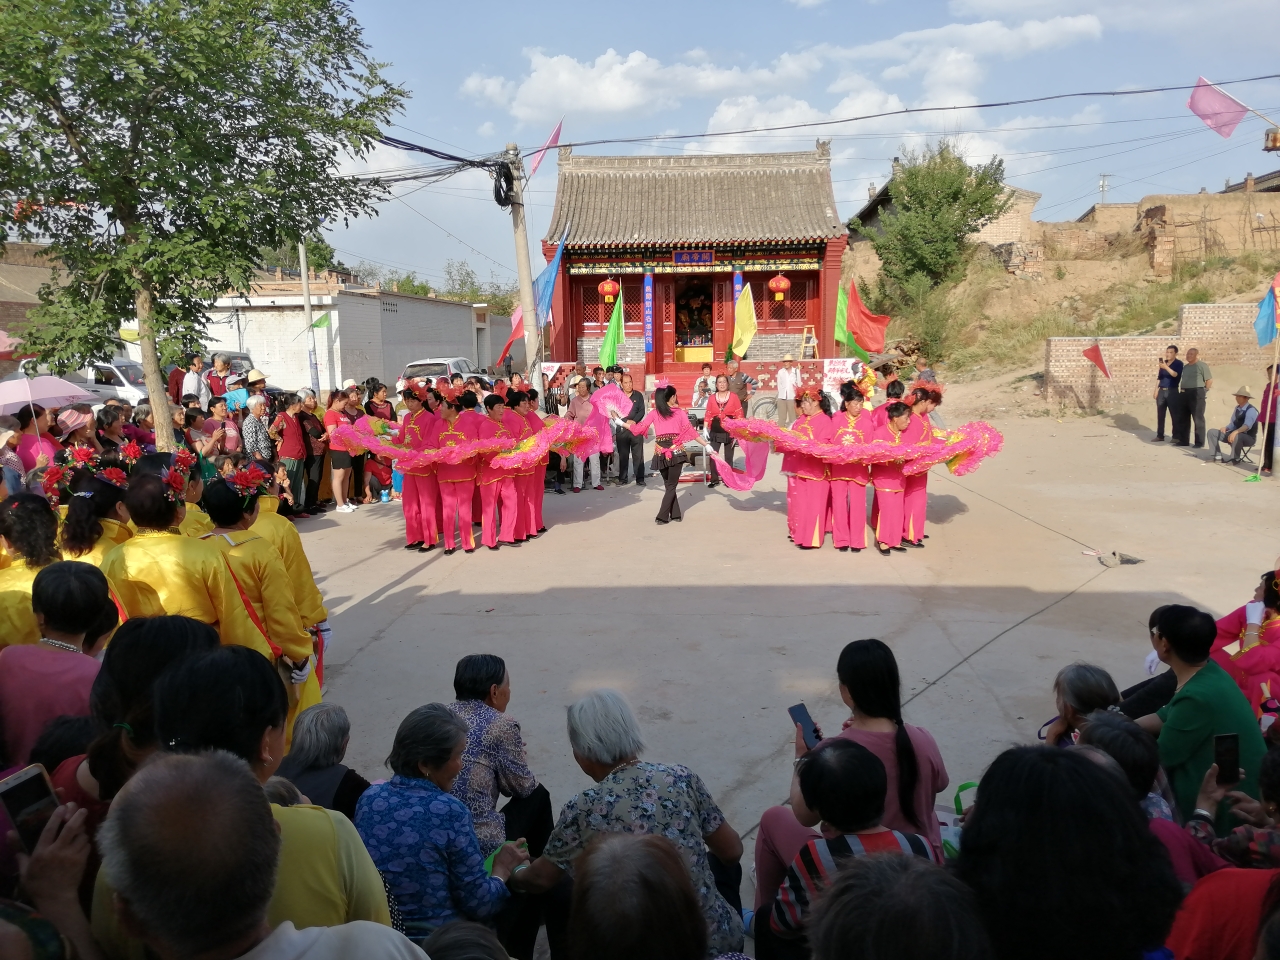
(819,860)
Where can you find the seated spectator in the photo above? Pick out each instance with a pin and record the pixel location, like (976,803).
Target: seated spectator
(464,940)
(28,532)
(633,897)
(1241,430)
(232,699)
(38,682)
(1148,696)
(493,761)
(1246,645)
(1254,843)
(421,837)
(844,784)
(1224,914)
(211,892)
(283,793)
(637,796)
(314,764)
(1063,863)
(1207,703)
(1078,690)
(914,771)
(896,908)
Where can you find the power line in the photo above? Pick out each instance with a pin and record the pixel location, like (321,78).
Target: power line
(459,239)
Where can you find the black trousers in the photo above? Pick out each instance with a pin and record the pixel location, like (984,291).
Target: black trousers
(517,925)
(670,505)
(1191,411)
(1267,438)
(1165,398)
(629,448)
(721,442)
(1148,696)
(314,467)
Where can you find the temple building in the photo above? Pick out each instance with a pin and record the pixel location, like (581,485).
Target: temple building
(677,235)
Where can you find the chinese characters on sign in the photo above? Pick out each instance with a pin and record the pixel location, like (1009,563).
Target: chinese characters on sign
(648,313)
(693,258)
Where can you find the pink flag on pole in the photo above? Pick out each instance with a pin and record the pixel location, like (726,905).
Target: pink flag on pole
(1220,111)
(517,331)
(552,140)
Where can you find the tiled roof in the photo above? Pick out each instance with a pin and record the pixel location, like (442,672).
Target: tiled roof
(1266,183)
(746,197)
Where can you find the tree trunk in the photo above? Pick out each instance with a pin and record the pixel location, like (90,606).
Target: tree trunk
(157,394)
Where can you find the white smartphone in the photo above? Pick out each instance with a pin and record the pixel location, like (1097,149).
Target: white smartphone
(30,800)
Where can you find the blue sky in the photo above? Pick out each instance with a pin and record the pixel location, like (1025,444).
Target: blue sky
(481,76)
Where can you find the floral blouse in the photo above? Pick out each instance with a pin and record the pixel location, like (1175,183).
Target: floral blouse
(422,842)
(670,801)
(257,442)
(493,765)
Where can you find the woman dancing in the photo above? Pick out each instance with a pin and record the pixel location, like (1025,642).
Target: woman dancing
(671,425)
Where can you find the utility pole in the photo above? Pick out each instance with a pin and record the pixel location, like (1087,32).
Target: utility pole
(1103,186)
(306,313)
(523,269)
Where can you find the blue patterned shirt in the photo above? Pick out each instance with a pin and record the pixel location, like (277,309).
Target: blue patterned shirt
(422,841)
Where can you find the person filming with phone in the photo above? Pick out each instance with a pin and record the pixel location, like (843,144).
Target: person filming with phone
(1169,372)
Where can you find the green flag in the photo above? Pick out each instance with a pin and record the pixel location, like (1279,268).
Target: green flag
(323,321)
(613,336)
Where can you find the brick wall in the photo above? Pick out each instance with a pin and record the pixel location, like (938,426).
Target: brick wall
(1222,332)
(630,350)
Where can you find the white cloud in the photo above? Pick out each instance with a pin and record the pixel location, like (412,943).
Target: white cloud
(1148,16)
(486,129)
(803,4)
(636,83)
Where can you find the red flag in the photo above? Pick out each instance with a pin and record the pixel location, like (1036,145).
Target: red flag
(867,328)
(517,332)
(1094,354)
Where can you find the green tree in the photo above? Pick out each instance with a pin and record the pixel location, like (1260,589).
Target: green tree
(160,145)
(462,283)
(320,256)
(937,202)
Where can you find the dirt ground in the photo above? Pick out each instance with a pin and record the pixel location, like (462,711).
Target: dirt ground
(714,626)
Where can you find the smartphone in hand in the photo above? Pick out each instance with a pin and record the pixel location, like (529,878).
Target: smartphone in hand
(1226,754)
(808,729)
(29,801)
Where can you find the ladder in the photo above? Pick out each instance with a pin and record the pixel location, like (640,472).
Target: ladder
(809,342)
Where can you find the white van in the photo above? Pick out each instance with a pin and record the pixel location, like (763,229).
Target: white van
(437,367)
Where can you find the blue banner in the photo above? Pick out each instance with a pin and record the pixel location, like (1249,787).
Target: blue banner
(544,286)
(648,313)
(737,285)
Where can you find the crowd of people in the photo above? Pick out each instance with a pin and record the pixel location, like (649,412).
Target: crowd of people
(205,810)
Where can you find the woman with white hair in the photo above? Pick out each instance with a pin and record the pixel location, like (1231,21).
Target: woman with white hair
(637,796)
(257,442)
(314,764)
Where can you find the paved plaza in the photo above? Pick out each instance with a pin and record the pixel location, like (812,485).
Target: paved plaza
(713,627)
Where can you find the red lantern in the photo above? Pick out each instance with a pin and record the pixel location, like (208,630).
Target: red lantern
(779,285)
(609,289)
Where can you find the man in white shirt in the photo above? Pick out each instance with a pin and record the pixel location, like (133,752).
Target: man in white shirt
(788,377)
(193,383)
(192,851)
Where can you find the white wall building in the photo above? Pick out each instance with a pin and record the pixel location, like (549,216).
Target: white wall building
(370,333)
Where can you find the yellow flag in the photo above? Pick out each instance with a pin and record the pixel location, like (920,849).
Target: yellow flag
(744,321)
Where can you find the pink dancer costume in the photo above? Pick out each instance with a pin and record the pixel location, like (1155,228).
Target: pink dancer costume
(809,495)
(457,481)
(886,515)
(498,486)
(421,497)
(849,482)
(915,496)
(535,482)
(477,507)
(672,434)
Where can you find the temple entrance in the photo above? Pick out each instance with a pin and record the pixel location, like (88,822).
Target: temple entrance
(694,320)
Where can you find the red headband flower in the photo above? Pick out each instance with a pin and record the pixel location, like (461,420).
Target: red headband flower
(54,475)
(248,481)
(131,453)
(85,457)
(114,476)
(175,484)
(184,460)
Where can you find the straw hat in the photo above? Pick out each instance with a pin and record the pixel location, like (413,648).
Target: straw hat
(788,359)
(254,375)
(1240,392)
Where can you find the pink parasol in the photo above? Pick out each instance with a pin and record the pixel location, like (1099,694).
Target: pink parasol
(9,348)
(46,391)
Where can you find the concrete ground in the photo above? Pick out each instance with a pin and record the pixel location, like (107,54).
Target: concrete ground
(714,626)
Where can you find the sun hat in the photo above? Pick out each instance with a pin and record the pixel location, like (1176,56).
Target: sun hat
(788,357)
(6,434)
(1241,392)
(348,383)
(70,419)
(254,375)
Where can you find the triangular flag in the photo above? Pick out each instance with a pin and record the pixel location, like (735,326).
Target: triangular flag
(744,321)
(517,331)
(1220,111)
(1265,325)
(866,328)
(544,286)
(536,159)
(322,322)
(614,335)
(1094,353)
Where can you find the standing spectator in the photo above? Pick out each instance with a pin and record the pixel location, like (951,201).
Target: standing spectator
(194,383)
(1241,430)
(635,796)
(314,764)
(256,382)
(317,440)
(111,421)
(176,375)
(1207,703)
(742,385)
(721,405)
(580,410)
(1267,414)
(628,445)
(36,441)
(1193,385)
(352,410)
(788,378)
(219,419)
(377,405)
(597,378)
(217,377)
(142,430)
(340,458)
(579,373)
(705,379)
(10,462)
(293,450)
(1166,392)
(77,430)
(254,431)
(924,373)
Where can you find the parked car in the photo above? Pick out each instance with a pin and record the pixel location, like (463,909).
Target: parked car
(437,367)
